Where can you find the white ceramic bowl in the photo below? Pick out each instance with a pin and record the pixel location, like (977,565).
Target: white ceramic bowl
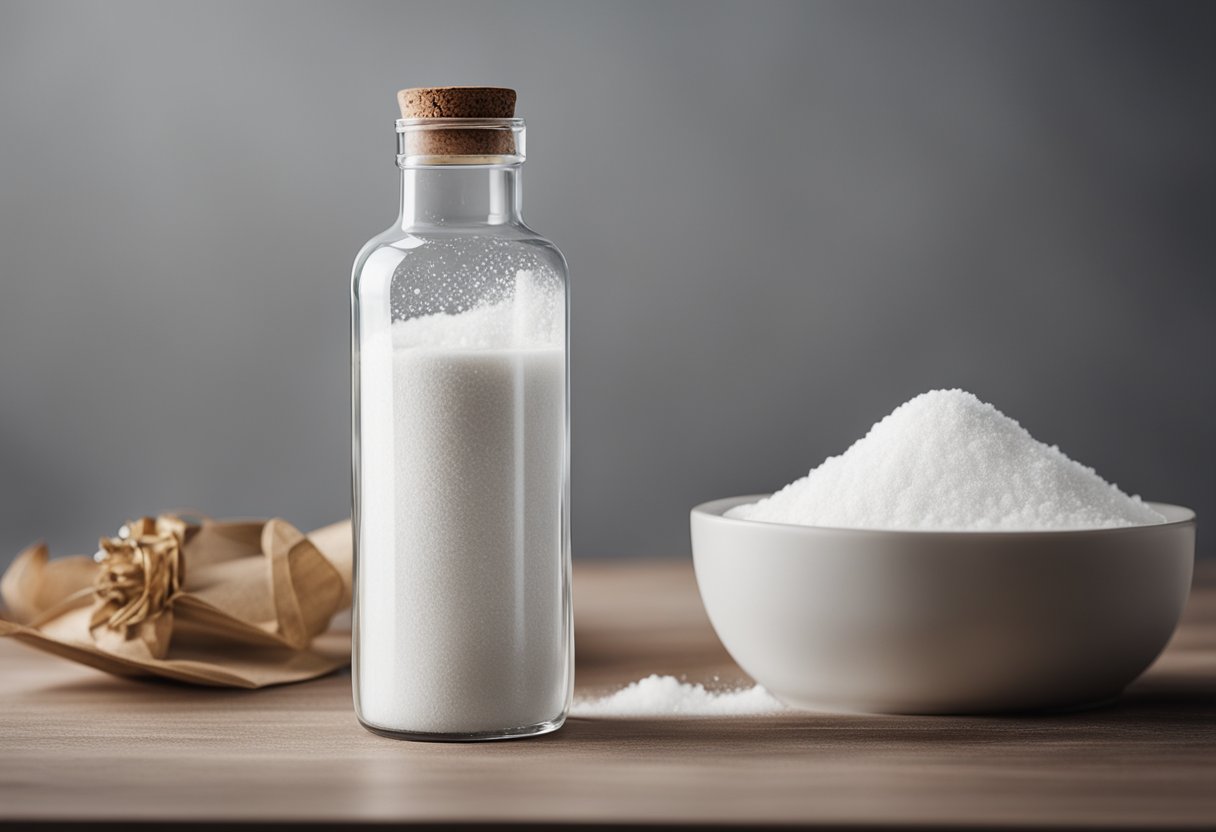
(941,622)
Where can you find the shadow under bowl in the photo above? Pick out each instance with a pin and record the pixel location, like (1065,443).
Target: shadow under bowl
(924,622)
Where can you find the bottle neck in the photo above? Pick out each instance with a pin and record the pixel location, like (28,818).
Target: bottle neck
(458,195)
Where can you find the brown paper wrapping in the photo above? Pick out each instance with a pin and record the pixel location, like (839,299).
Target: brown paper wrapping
(238,603)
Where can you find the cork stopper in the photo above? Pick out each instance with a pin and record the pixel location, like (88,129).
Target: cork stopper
(459,103)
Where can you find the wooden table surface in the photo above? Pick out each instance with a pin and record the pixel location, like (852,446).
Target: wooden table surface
(78,746)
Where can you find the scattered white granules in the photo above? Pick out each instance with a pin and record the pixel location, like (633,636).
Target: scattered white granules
(531,317)
(946,460)
(668,696)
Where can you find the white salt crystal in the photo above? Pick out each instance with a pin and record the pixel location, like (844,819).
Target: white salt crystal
(668,696)
(946,460)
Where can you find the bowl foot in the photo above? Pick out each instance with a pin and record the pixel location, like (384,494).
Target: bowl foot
(1088,705)
(873,709)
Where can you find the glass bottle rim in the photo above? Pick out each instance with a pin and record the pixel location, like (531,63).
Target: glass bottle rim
(422,124)
(501,142)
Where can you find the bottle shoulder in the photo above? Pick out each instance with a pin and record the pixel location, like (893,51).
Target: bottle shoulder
(407,255)
(499,236)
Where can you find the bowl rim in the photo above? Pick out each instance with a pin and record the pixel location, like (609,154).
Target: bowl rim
(714,510)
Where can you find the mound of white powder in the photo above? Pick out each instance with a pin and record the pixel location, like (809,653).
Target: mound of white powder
(946,460)
(668,696)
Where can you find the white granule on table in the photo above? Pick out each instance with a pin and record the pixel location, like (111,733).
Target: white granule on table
(947,461)
(668,696)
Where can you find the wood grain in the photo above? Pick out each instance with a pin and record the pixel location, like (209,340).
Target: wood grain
(77,746)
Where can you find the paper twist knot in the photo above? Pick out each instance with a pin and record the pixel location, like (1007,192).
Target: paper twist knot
(142,569)
(229,603)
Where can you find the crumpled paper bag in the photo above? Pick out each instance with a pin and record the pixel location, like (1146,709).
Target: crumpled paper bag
(235,603)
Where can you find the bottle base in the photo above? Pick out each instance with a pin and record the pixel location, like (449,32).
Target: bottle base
(519,733)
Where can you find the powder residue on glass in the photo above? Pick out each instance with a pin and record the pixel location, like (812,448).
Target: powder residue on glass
(947,461)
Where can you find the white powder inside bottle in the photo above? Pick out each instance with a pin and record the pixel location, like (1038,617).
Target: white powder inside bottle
(668,696)
(461,624)
(947,461)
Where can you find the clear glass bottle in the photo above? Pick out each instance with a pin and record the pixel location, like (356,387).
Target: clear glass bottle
(462,616)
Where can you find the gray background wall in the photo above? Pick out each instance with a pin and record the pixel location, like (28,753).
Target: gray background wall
(782,221)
